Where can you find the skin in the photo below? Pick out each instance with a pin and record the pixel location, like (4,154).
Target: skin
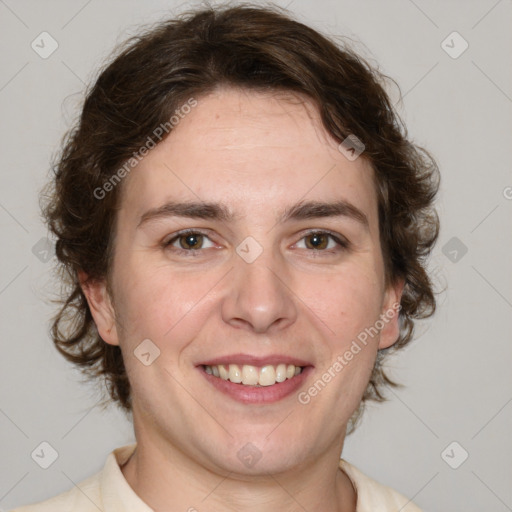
(258,153)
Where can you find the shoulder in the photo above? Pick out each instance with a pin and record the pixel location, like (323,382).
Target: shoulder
(106,490)
(85,497)
(373,496)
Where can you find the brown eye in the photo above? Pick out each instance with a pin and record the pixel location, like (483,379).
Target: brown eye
(323,242)
(191,241)
(317,241)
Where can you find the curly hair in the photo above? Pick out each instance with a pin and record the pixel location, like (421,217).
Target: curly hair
(148,80)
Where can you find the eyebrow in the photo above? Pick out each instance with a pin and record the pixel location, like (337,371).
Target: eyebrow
(303,210)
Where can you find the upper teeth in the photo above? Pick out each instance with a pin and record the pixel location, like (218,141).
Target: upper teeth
(252,375)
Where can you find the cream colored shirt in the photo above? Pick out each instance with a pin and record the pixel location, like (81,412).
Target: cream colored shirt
(108,491)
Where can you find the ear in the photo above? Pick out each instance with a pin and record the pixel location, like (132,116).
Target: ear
(390,311)
(101,307)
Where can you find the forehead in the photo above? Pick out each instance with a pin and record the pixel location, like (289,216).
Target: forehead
(244,123)
(251,149)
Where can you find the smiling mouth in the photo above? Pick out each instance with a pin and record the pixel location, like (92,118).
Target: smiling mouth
(249,375)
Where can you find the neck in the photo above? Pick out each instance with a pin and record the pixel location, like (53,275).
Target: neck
(164,476)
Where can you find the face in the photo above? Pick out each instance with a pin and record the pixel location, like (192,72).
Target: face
(281,268)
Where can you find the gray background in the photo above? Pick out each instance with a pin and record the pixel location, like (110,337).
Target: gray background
(457,374)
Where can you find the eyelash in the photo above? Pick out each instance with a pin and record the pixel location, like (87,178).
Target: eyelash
(342,243)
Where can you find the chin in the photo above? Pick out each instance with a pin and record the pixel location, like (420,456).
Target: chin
(259,454)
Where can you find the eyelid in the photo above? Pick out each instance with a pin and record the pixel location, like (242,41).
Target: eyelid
(168,240)
(342,242)
(186,231)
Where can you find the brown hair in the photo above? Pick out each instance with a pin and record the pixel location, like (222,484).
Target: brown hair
(158,71)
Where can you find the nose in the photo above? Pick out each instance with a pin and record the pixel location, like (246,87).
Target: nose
(259,298)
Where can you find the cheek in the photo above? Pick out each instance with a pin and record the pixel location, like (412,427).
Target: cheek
(157,303)
(161,303)
(347,302)
(168,311)
(349,308)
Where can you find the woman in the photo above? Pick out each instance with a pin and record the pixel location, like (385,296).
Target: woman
(244,225)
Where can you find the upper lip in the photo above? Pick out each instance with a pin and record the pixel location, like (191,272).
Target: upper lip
(247,359)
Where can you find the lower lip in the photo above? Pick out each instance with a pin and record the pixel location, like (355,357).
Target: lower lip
(255,394)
